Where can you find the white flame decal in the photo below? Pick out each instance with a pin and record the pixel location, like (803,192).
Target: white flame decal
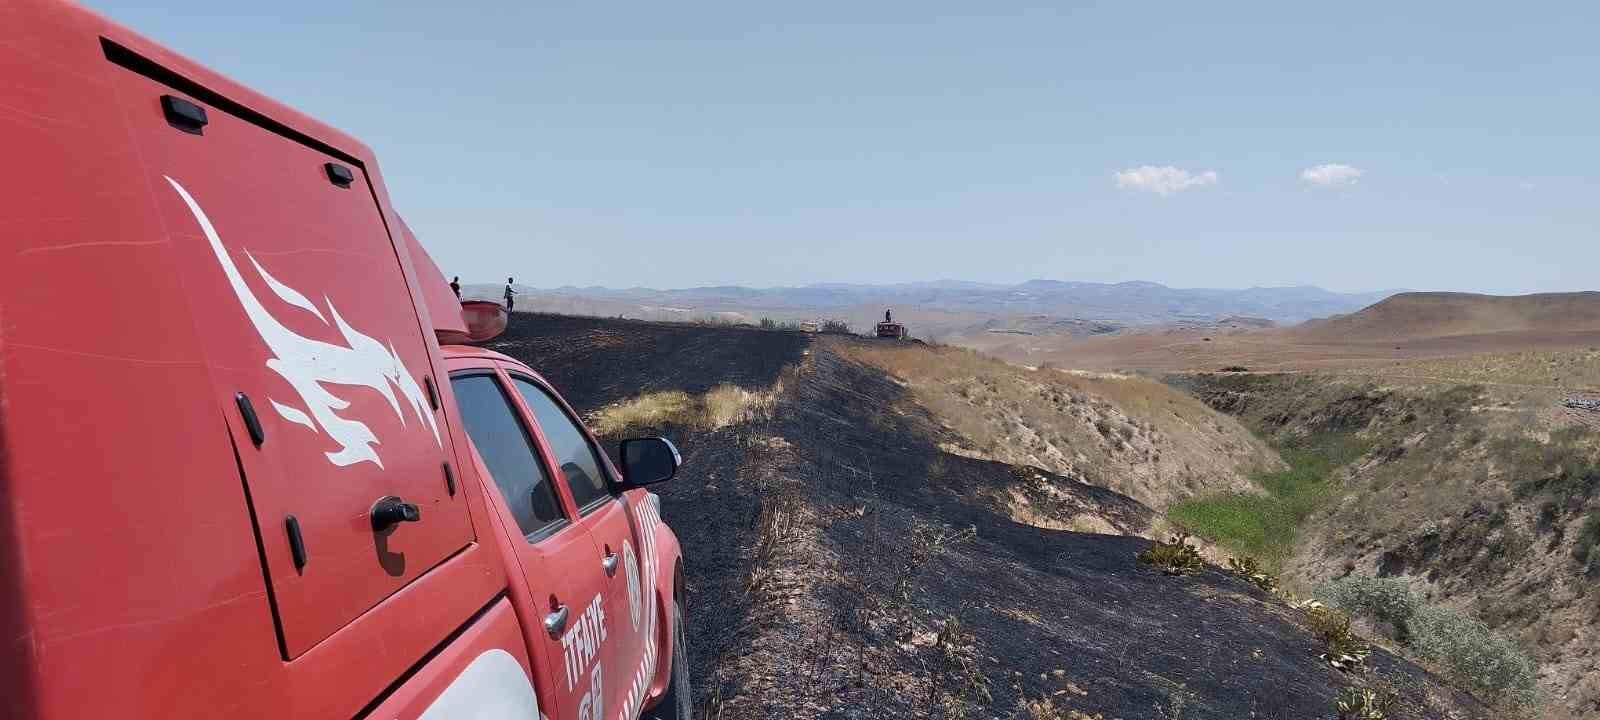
(306,363)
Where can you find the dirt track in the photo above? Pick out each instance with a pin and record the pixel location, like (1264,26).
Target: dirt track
(841,565)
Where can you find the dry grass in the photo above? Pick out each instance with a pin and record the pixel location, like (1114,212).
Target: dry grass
(727,405)
(1127,433)
(1575,369)
(649,410)
(718,408)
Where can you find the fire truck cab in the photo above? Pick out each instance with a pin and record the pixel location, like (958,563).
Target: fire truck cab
(247,468)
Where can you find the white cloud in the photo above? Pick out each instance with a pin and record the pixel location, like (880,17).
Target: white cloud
(1164,180)
(1332,175)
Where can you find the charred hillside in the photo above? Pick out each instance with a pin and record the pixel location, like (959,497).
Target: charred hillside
(597,361)
(843,564)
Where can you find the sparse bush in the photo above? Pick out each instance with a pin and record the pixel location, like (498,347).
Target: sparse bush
(1127,432)
(1566,468)
(1583,549)
(1367,703)
(958,683)
(1491,666)
(1344,650)
(1386,600)
(835,326)
(1463,648)
(1249,569)
(1174,557)
(1235,369)
(1048,706)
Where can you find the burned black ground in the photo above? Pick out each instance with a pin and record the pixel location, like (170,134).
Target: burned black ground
(841,565)
(596,361)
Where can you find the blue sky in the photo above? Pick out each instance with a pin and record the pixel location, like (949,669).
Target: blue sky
(679,144)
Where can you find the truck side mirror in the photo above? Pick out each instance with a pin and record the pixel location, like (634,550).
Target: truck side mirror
(647,461)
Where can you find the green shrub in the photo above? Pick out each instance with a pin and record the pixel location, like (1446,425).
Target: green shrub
(1465,649)
(835,326)
(1174,557)
(1490,666)
(1248,568)
(1343,648)
(1387,600)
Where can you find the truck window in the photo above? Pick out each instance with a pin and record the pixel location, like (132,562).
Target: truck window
(507,451)
(579,464)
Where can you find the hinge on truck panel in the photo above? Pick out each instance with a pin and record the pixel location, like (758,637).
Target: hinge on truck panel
(183,114)
(339,174)
(449,479)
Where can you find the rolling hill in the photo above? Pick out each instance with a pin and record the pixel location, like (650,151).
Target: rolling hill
(1405,327)
(1418,315)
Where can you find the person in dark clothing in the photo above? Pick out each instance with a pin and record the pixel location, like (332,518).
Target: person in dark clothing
(887,317)
(509,293)
(455,286)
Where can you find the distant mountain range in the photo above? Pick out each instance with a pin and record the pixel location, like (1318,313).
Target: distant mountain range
(949,303)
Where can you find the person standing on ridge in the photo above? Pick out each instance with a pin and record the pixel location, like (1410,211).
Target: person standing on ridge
(455,286)
(509,293)
(887,317)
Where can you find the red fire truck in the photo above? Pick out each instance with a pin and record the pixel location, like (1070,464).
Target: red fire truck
(246,468)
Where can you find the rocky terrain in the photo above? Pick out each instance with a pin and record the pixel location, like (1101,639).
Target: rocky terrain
(1479,499)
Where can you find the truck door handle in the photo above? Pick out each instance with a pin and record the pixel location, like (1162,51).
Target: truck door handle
(390,511)
(610,564)
(555,622)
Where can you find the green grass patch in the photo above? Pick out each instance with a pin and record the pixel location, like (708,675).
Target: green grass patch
(1264,526)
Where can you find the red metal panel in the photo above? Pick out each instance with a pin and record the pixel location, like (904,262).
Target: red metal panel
(293,281)
(131,553)
(347,671)
(484,673)
(130,584)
